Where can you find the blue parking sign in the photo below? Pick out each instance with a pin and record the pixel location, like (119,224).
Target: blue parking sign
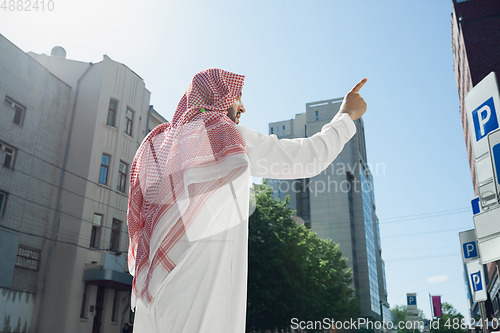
(485,119)
(477,283)
(412,300)
(470,250)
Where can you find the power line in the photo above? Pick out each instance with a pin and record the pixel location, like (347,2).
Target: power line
(427,217)
(79,238)
(431,257)
(60,212)
(423,233)
(420,248)
(430,213)
(71,173)
(80,195)
(401,219)
(55,240)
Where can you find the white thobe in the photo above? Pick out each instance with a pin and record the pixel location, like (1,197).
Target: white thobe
(207,290)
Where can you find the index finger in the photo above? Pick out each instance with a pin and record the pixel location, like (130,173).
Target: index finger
(360,84)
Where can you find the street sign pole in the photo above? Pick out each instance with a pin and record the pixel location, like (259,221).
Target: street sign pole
(411,309)
(484,317)
(482,104)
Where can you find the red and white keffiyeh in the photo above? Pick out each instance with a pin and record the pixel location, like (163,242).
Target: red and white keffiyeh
(178,172)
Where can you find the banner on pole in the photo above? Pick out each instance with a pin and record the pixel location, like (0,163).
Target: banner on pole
(436,306)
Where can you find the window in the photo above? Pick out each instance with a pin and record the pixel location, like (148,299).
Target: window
(283,129)
(19,110)
(115,235)
(28,257)
(122,176)
(3,202)
(83,313)
(116,306)
(95,236)
(7,154)
(112,112)
(317,115)
(129,121)
(103,175)
(272,130)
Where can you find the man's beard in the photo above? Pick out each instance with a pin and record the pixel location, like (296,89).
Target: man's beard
(232,116)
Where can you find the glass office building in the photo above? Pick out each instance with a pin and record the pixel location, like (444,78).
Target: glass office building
(339,203)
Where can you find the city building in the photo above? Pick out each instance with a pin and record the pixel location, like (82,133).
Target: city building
(475,27)
(339,204)
(69,132)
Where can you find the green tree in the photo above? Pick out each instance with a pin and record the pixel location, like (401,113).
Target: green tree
(292,273)
(400,312)
(451,320)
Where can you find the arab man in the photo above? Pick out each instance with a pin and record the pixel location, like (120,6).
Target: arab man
(189,204)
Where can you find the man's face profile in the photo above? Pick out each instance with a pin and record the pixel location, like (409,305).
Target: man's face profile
(235,110)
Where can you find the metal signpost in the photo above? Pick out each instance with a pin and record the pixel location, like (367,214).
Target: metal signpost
(482,104)
(411,309)
(468,245)
(475,273)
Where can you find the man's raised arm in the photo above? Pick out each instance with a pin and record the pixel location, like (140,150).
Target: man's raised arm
(304,157)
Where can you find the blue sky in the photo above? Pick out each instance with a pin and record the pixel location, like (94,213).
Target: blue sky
(294,52)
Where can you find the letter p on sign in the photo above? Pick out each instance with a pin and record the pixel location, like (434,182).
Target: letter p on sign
(476,281)
(485,119)
(470,250)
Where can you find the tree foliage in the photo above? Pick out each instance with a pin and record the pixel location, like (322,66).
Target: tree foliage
(450,316)
(292,272)
(400,312)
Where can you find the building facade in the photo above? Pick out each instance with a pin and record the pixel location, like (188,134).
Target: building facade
(475,27)
(31,96)
(81,124)
(339,204)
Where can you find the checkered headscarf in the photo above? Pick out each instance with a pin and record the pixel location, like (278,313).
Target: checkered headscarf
(177,168)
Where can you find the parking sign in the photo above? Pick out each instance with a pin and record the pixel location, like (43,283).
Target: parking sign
(411,307)
(482,106)
(470,250)
(477,283)
(485,119)
(475,273)
(468,245)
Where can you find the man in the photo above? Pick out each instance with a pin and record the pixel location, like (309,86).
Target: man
(188,204)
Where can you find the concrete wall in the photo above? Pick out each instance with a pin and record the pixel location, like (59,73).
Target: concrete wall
(90,138)
(32,183)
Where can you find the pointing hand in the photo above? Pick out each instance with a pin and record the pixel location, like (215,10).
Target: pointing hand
(353,104)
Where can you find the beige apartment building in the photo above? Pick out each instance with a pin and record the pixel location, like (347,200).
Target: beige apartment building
(69,130)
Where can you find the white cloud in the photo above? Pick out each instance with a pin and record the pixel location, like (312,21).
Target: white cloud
(437,278)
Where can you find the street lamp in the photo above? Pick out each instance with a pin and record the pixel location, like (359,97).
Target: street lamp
(382,313)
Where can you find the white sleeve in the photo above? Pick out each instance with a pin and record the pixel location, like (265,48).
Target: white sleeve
(271,157)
